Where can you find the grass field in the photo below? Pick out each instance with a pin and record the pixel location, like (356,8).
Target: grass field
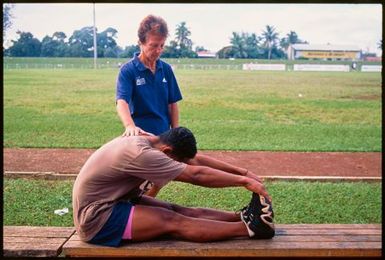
(231,110)
(294,202)
(226,109)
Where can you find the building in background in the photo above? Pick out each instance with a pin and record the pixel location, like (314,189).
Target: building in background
(324,52)
(206,54)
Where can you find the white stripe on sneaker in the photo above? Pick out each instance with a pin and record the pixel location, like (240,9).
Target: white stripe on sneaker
(251,233)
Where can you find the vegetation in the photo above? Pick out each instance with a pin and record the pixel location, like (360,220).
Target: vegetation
(230,110)
(7,15)
(32,202)
(181,46)
(80,44)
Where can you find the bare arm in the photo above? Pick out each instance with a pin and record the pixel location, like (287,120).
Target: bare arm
(153,191)
(125,116)
(204,160)
(209,177)
(174,114)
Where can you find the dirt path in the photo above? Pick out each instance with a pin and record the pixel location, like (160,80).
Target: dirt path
(70,161)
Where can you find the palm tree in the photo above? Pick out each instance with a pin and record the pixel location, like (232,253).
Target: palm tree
(251,42)
(290,39)
(182,33)
(270,37)
(7,15)
(239,45)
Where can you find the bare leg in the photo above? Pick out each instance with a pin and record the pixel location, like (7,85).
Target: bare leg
(205,213)
(151,222)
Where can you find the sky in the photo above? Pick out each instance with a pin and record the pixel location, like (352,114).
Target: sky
(211,25)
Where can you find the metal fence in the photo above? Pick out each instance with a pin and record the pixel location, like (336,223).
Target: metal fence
(111,65)
(117,65)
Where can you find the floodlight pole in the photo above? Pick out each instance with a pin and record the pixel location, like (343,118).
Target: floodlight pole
(95,50)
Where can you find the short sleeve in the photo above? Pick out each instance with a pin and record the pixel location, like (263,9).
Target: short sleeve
(155,166)
(124,85)
(174,94)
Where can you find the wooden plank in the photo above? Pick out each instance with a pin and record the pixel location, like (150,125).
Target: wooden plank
(299,238)
(278,246)
(328,232)
(338,238)
(302,240)
(226,249)
(291,240)
(32,249)
(26,240)
(35,241)
(28,231)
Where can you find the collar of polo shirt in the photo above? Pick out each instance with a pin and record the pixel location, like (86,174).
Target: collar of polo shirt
(140,66)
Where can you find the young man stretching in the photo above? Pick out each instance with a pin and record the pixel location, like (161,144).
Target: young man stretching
(109,205)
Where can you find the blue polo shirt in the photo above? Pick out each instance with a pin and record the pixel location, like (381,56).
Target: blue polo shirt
(148,95)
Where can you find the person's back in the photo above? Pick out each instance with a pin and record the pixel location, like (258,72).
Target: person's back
(109,205)
(114,173)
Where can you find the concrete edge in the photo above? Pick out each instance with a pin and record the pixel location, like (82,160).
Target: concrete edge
(39,175)
(72,176)
(322,178)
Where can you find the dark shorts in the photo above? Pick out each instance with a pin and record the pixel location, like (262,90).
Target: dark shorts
(112,232)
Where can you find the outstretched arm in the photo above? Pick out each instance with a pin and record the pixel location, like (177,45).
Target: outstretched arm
(204,160)
(209,177)
(174,114)
(128,123)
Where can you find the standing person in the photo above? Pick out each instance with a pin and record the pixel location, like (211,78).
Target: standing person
(109,205)
(147,91)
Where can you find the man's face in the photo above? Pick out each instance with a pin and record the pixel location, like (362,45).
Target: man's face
(153,47)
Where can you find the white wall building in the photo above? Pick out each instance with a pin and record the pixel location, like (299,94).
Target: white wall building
(206,54)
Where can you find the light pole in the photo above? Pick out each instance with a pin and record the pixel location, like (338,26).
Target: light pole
(95,48)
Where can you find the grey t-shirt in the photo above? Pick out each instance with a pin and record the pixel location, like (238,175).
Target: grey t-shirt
(116,172)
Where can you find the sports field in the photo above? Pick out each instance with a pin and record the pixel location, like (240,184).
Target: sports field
(226,109)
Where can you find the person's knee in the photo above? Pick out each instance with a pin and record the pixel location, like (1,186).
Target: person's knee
(169,216)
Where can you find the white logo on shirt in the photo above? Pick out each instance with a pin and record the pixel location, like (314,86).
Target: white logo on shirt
(140,81)
(164,80)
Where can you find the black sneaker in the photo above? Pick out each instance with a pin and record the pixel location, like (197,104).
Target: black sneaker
(255,204)
(258,217)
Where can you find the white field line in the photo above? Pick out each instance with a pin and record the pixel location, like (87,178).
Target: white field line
(54,175)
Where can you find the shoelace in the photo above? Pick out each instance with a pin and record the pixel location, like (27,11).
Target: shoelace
(267,214)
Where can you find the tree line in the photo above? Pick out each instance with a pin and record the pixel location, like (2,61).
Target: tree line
(80,44)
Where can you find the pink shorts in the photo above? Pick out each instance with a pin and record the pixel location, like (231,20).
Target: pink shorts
(128,230)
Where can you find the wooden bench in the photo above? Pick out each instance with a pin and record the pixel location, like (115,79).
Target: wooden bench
(35,241)
(309,240)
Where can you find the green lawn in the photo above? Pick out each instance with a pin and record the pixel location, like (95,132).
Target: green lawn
(226,109)
(32,202)
(231,110)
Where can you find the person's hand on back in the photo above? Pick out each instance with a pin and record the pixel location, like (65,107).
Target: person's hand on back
(134,130)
